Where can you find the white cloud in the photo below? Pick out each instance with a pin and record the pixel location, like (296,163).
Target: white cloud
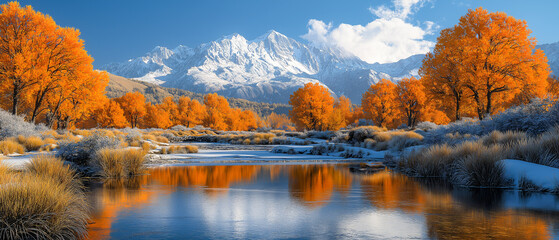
(388,38)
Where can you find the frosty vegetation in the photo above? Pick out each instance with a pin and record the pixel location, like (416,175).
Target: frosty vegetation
(13,126)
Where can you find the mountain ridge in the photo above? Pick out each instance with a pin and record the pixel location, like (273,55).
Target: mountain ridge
(268,68)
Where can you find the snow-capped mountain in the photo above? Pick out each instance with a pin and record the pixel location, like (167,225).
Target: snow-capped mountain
(552,53)
(268,68)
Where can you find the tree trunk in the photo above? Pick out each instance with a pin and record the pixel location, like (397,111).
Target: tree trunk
(15,101)
(457,113)
(489,105)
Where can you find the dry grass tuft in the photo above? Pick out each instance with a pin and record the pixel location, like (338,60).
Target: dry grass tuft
(31,143)
(42,203)
(134,160)
(161,139)
(120,163)
(10,146)
(432,162)
(482,168)
(181,149)
(53,167)
(111,162)
(150,137)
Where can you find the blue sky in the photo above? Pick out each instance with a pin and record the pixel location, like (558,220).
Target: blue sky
(118,30)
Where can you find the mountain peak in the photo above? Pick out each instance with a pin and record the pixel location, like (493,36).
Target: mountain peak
(232,37)
(270,35)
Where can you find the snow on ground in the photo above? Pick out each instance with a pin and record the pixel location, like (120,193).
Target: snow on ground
(542,176)
(18,161)
(243,156)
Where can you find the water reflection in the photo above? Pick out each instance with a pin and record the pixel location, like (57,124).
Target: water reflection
(310,201)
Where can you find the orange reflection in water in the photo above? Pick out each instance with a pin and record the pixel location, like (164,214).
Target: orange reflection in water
(445,217)
(115,196)
(314,186)
(209,177)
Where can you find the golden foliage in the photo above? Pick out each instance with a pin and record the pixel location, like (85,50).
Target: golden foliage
(312,105)
(379,103)
(45,72)
(488,60)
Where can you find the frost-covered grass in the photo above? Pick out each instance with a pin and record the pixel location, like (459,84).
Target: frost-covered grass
(43,202)
(477,162)
(83,151)
(533,119)
(469,163)
(13,126)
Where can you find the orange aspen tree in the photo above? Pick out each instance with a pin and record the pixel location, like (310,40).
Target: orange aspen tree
(379,103)
(134,107)
(38,59)
(495,59)
(342,114)
(77,100)
(249,119)
(217,111)
(311,107)
(196,113)
(410,99)
(156,117)
(278,121)
(440,78)
(170,106)
(111,116)
(553,87)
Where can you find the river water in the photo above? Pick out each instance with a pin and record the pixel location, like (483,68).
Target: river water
(310,201)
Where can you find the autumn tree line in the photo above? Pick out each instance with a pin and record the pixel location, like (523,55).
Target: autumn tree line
(214,112)
(47,76)
(483,65)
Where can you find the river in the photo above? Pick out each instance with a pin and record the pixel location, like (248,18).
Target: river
(316,201)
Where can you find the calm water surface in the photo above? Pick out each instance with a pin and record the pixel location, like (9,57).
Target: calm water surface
(310,201)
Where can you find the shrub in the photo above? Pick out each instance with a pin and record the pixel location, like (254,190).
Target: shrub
(13,126)
(361,133)
(192,149)
(83,152)
(426,126)
(506,138)
(10,146)
(150,137)
(42,204)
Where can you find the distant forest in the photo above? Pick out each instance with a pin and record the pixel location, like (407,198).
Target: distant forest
(118,86)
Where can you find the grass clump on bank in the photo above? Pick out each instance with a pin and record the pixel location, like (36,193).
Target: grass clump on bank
(469,163)
(43,202)
(179,149)
(120,163)
(10,146)
(379,139)
(477,163)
